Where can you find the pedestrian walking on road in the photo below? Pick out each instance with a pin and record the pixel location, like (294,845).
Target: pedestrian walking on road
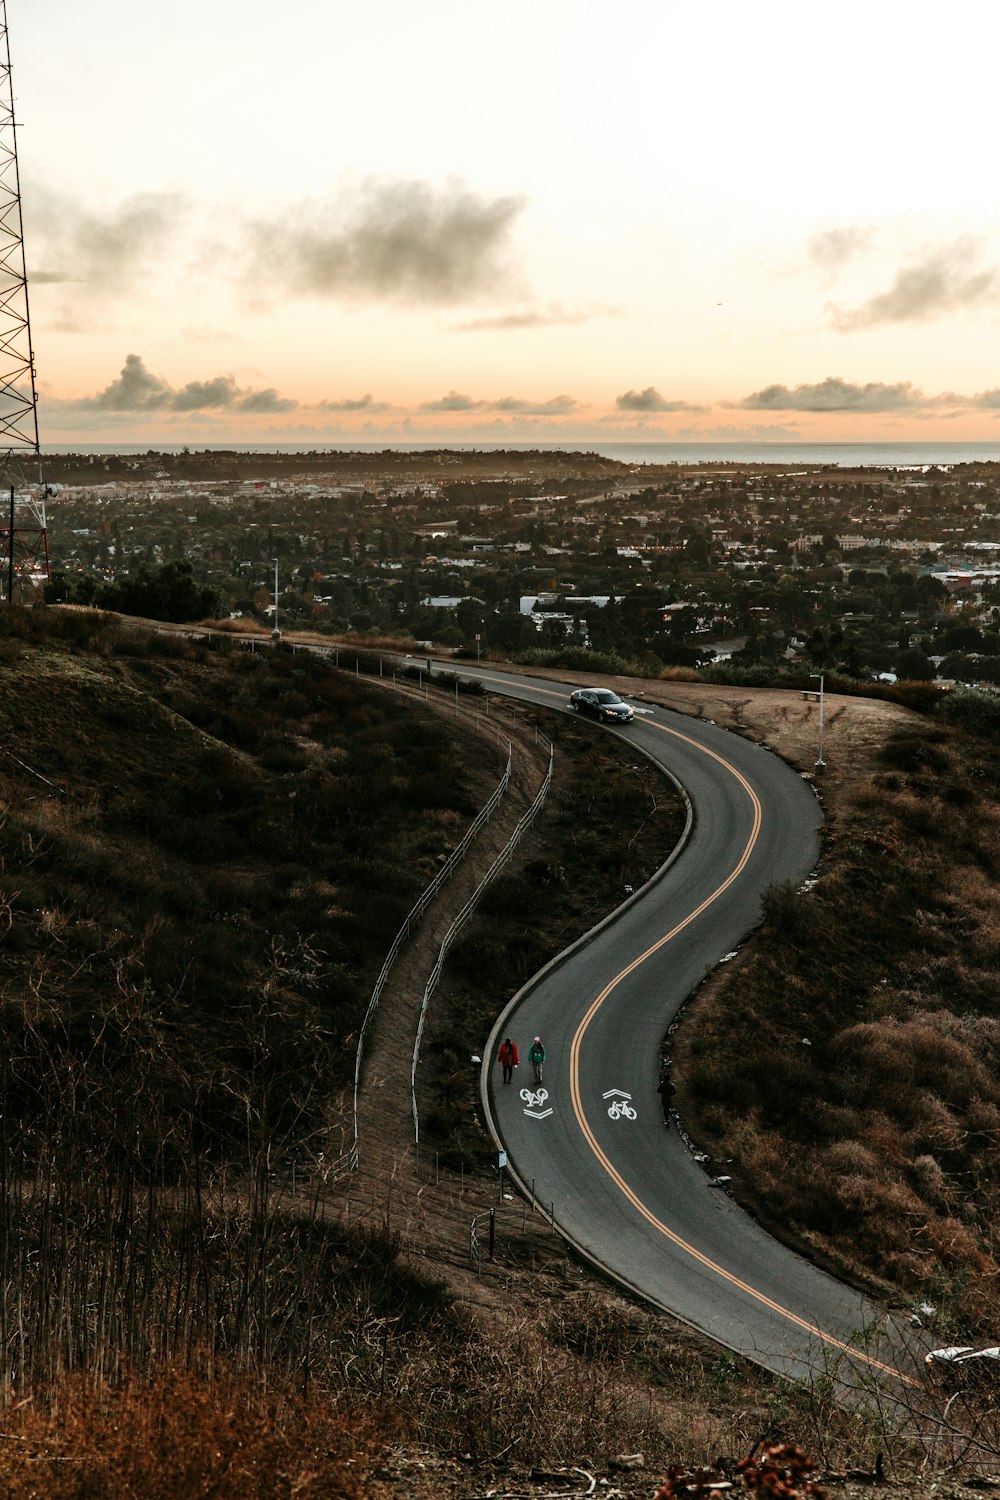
(536,1056)
(507,1058)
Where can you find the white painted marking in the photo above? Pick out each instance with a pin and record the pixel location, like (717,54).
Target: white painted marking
(534,1098)
(621,1108)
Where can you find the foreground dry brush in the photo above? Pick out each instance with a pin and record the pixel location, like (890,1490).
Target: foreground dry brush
(183,1435)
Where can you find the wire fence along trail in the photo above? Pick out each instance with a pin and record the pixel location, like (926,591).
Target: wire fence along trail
(499,864)
(349,1161)
(411,677)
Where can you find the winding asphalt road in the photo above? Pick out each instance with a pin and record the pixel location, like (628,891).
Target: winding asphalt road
(591,1145)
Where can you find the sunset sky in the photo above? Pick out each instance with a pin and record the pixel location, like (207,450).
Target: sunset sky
(544,221)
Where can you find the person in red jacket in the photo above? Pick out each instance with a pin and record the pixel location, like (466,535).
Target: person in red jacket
(507,1058)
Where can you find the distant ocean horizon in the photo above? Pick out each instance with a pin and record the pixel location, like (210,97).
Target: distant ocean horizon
(820,455)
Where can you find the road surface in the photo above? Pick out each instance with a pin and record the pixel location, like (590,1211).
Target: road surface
(591,1145)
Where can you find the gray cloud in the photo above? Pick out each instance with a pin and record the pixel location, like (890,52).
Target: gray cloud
(398,241)
(832,248)
(834,394)
(534,317)
(355,403)
(944,282)
(137,389)
(262,402)
(651,400)
(406,242)
(199,395)
(555,407)
(454,401)
(103,250)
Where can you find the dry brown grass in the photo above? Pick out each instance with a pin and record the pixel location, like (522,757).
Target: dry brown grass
(184,1434)
(850,1061)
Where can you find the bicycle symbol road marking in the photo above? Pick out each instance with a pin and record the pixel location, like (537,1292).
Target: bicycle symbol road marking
(620,1108)
(534,1099)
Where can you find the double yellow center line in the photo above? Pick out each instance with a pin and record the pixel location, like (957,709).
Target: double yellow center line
(588,1134)
(675,1239)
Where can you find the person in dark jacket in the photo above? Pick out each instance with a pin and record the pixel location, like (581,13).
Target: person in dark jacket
(507,1058)
(536,1056)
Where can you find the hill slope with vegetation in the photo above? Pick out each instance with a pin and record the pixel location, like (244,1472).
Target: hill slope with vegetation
(190,840)
(850,1063)
(189,941)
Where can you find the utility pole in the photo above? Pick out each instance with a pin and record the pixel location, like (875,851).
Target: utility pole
(26,544)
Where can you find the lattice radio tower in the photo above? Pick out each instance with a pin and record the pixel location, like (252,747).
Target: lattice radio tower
(24,544)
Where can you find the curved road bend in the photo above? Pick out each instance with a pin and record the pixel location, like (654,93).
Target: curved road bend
(596,1152)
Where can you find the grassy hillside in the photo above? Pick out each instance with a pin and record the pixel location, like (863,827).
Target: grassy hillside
(190,841)
(188,936)
(850,1063)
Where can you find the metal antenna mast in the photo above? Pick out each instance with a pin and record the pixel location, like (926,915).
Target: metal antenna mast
(24,545)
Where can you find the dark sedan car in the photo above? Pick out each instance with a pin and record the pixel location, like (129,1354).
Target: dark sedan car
(601,703)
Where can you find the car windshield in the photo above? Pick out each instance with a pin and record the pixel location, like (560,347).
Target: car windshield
(603,696)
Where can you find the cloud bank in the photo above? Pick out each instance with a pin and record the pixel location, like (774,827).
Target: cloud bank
(834,394)
(396,241)
(556,406)
(455,401)
(137,389)
(402,242)
(945,281)
(651,400)
(139,397)
(365,403)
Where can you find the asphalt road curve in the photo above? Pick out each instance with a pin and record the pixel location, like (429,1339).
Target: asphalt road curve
(591,1145)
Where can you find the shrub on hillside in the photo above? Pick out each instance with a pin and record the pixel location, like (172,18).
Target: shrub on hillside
(736,674)
(580,659)
(975,712)
(913,750)
(167,593)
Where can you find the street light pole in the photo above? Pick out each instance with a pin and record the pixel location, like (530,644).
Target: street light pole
(821,763)
(275,633)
